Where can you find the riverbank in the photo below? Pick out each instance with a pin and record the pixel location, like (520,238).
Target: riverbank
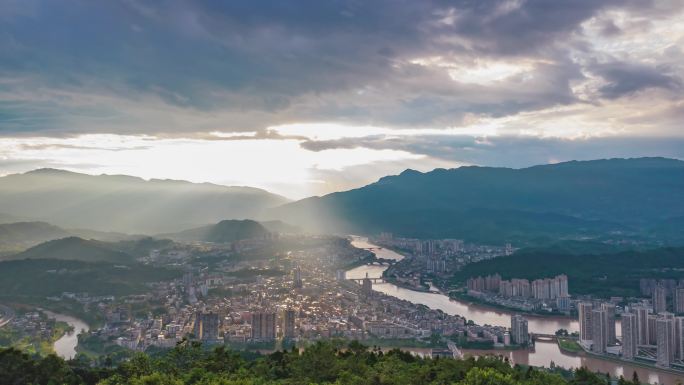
(394,281)
(545,352)
(465,297)
(63,306)
(639,363)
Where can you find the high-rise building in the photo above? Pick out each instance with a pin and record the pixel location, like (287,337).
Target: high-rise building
(652,332)
(659,298)
(664,330)
(519,332)
(289,323)
(679,337)
(599,330)
(630,335)
(610,314)
(585,324)
(642,324)
(367,286)
(263,326)
(678,300)
(297,279)
(206,326)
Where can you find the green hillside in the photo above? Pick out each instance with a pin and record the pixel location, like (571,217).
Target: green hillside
(572,200)
(50,277)
(605,274)
(222,232)
(74,248)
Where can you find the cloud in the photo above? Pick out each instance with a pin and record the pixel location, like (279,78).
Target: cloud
(199,66)
(628,78)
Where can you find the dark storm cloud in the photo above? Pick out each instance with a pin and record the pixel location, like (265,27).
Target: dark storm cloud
(276,62)
(628,78)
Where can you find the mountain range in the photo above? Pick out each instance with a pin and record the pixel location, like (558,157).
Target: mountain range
(571,200)
(124,203)
(637,199)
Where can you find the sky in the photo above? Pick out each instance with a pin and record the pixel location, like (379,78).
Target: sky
(309,97)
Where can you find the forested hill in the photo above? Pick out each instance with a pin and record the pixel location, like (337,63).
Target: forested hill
(571,200)
(222,232)
(75,248)
(321,363)
(603,274)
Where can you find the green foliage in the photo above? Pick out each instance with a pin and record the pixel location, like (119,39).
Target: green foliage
(49,277)
(75,248)
(321,363)
(611,274)
(572,200)
(225,231)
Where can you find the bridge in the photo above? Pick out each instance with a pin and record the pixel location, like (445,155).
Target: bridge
(454,349)
(374,280)
(372,248)
(543,337)
(383,261)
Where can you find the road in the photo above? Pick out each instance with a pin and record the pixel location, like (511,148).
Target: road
(6,315)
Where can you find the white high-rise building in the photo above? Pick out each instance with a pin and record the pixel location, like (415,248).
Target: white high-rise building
(599,330)
(585,325)
(641,313)
(664,330)
(679,337)
(610,317)
(678,300)
(630,336)
(659,299)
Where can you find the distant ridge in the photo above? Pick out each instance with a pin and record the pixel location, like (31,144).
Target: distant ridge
(125,203)
(222,232)
(76,249)
(570,200)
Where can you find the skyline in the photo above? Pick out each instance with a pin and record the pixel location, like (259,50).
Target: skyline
(309,100)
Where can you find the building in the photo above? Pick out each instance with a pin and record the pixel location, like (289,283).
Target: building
(289,324)
(659,298)
(679,338)
(584,309)
(610,314)
(340,275)
(367,286)
(263,326)
(630,336)
(641,313)
(599,330)
(665,338)
(436,265)
(678,300)
(297,279)
(563,304)
(652,332)
(206,326)
(519,333)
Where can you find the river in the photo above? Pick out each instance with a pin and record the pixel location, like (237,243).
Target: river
(544,352)
(65,347)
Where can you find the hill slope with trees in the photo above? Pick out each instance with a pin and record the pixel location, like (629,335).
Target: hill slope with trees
(572,200)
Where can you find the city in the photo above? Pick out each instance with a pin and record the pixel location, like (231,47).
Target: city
(388,192)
